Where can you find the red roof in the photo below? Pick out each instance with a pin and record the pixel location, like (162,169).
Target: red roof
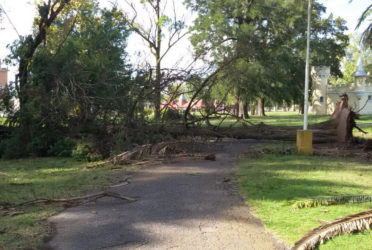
(176,105)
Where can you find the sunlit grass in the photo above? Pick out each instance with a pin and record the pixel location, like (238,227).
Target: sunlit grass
(279,118)
(270,184)
(26,179)
(291,118)
(367,129)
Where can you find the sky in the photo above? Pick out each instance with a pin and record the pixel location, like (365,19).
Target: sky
(22,12)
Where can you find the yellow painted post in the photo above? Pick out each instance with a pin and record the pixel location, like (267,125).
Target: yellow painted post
(305,142)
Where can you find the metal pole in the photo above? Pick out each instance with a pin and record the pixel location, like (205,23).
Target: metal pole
(307,67)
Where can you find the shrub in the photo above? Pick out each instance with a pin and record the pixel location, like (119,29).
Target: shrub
(62,148)
(85,152)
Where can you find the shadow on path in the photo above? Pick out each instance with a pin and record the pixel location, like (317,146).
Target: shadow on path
(184,205)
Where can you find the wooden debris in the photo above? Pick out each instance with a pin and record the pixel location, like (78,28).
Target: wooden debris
(332,200)
(11,212)
(155,151)
(336,130)
(323,222)
(210,157)
(5,174)
(351,223)
(368,145)
(78,198)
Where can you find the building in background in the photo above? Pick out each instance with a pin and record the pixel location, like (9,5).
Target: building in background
(3,84)
(325,96)
(3,77)
(181,104)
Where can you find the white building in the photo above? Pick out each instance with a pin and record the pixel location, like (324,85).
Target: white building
(325,96)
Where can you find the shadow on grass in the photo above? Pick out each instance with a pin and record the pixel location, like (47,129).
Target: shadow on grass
(291,177)
(274,182)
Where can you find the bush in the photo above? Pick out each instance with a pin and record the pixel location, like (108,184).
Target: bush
(62,148)
(85,152)
(13,147)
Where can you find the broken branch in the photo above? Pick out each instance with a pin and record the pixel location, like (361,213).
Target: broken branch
(86,197)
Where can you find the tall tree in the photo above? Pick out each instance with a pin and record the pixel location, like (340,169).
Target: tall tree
(48,12)
(75,84)
(367,34)
(266,38)
(161,32)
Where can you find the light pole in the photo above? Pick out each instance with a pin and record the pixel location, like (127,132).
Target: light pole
(306,94)
(305,136)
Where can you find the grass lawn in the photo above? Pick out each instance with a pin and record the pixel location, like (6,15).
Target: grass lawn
(279,118)
(272,182)
(26,179)
(289,118)
(368,129)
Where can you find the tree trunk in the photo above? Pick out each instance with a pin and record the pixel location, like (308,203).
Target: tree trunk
(261,107)
(301,109)
(241,110)
(245,111)
(253,109)
(157,86)
(157,97)
(31,44)
(236,108)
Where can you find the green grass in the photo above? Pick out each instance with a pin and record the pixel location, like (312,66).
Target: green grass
(365,119)
(272,182)
(367,129)
(288,118)
(26,179)
(275,119)
(2,120)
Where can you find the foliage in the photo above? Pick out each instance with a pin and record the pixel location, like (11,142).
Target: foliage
(350,61)
(62,148)
(85,152)
(367,34)
(161,32)
(76,84)
(267,41)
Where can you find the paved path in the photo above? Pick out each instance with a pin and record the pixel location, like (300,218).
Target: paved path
(181,206)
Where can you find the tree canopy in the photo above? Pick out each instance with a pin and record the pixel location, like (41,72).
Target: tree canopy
(267,41)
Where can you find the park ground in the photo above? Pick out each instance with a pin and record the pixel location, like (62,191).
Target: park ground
(271,180)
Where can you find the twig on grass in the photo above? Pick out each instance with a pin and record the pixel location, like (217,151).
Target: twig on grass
(86,197)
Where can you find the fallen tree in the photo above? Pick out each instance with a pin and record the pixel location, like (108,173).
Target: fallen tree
(351,223)
(72,199)
(339,129)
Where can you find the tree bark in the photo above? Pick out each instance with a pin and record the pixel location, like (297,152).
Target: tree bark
(33,43)
(261,106)
(158,79)
(241,109)
(301,109)
(253,109)
(245,110)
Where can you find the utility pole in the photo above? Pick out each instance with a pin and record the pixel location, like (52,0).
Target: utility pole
(305,136)
(306,94)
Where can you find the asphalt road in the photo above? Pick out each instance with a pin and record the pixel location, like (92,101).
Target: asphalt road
(187,205)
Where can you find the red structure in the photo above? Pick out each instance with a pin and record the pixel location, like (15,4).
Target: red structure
(181,104)
(3,77)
